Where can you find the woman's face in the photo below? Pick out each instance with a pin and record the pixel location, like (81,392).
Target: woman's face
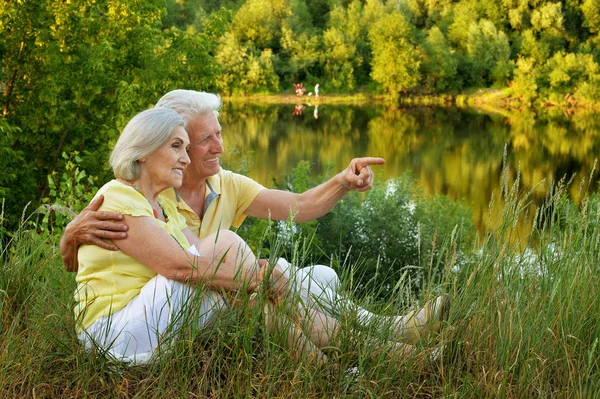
(164,167)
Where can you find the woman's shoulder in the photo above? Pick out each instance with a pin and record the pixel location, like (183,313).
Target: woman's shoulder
(114,189)
(115,186)
(122,198)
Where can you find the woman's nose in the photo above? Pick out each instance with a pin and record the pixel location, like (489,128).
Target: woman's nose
(185,159)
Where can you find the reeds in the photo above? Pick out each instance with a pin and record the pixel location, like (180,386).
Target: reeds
(524,323)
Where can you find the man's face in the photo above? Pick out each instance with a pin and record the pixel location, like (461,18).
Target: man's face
(206,145)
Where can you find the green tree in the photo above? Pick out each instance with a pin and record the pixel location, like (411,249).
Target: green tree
(591,12)
(319,10)
(544,20)
(524,84)
(395,59)
(439,64)
(576,74)
(301,54)
(547,17)
(241,70)
(416,12)
(212,6)
(340,56)
(348,54)
(183,13)
(282,28)
(74,72)
(258,23)
(465,13)
(533,48)
(488,53)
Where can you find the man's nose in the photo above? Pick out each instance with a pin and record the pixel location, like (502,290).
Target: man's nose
(218,146)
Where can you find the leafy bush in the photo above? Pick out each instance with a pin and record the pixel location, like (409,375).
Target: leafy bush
(69,193)
(396,237)
(392,236)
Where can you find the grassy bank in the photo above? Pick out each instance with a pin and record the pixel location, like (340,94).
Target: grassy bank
(523,323)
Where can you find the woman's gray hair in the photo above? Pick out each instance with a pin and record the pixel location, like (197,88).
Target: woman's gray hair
(143,135)
(190,103)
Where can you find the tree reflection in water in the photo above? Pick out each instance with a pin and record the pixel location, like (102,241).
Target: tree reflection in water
(451,151)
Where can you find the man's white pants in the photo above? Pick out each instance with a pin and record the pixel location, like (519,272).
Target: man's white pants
(316,286)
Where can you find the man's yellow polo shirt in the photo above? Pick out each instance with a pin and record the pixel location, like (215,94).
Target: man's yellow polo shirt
(227,197)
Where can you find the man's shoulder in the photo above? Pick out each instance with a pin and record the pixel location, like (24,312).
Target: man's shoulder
(224,173)
(225,177)
(227,181)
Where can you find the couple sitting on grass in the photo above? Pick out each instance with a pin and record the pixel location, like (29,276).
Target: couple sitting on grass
(157,236)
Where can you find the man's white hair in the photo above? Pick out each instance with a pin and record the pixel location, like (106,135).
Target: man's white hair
(190,103)
(143,135)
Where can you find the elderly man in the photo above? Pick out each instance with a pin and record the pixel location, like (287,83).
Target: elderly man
(212,198)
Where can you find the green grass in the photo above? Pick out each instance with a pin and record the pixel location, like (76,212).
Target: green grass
(524,323)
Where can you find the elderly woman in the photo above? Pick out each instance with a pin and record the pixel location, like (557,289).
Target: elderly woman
(126,299)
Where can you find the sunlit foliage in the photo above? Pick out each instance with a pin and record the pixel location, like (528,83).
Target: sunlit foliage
(72,73)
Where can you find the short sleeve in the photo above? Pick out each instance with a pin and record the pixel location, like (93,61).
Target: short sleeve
(247,190)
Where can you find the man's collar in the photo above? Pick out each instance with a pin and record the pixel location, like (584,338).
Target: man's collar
(211,195)
(214,183)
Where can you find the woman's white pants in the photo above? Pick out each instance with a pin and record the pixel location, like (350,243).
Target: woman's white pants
(133,334)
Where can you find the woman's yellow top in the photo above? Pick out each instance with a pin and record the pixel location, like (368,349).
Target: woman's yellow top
(108,280)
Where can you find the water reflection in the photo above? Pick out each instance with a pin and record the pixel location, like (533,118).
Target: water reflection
(454,152)
(298,110)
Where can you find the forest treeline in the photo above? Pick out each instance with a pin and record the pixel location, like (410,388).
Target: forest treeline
(536,47)
(73,72)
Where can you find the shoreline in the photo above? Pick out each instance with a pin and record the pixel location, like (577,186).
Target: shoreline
(488,100)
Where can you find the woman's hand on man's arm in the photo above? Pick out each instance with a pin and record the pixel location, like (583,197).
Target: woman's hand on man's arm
(91,227)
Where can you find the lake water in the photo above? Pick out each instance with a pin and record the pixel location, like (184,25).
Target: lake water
(450,151)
